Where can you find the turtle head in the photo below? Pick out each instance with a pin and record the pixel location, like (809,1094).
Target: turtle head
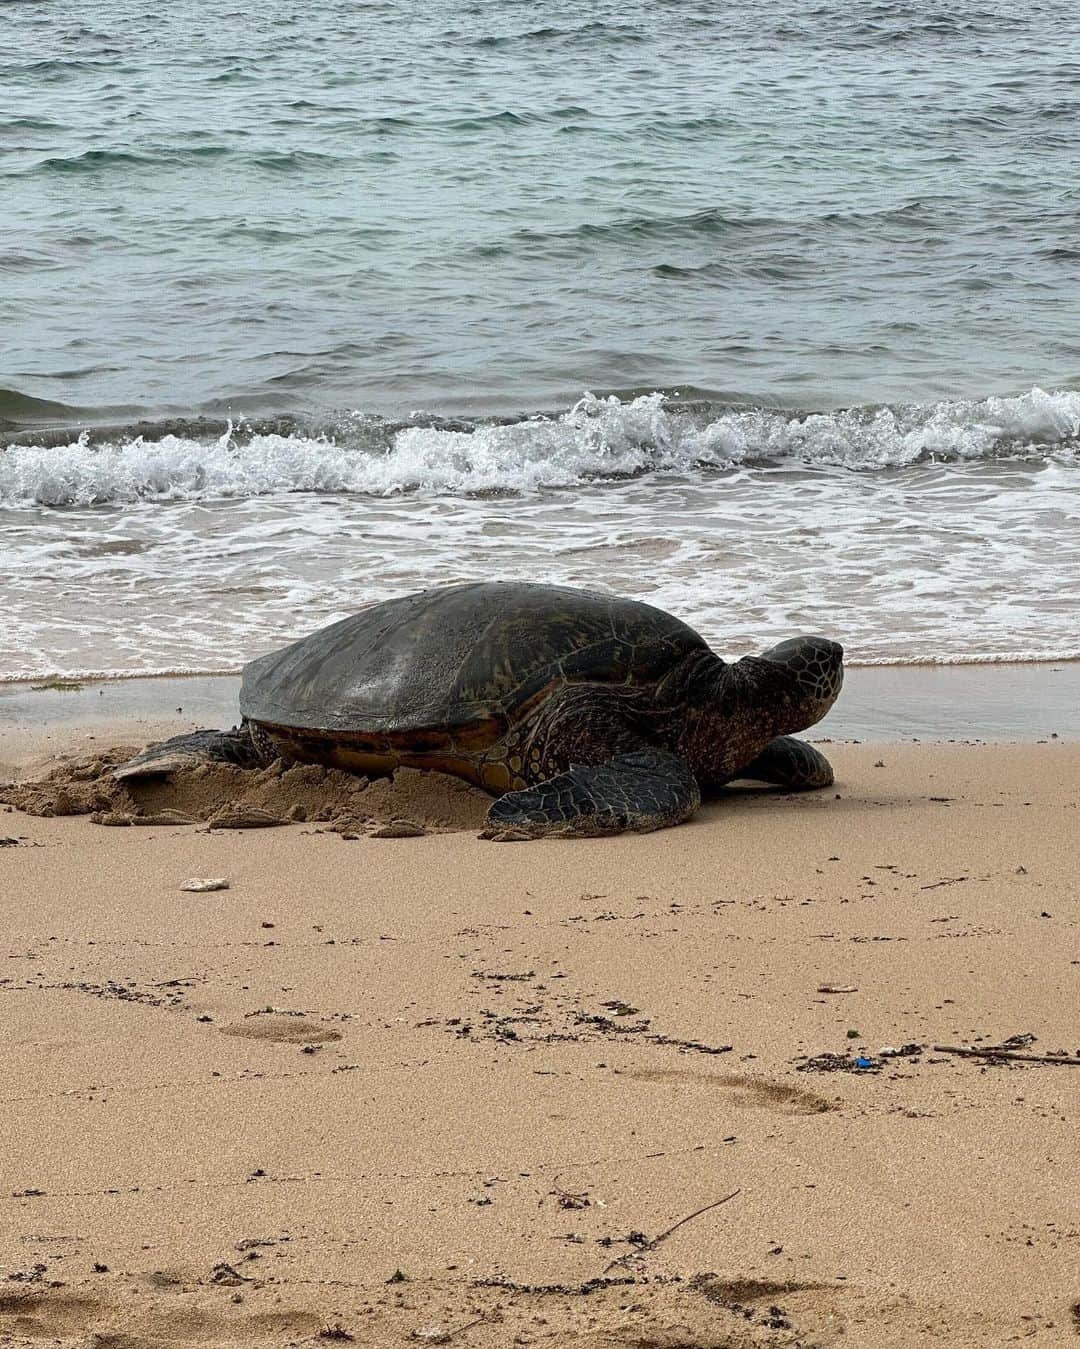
(801,678)
(736,710)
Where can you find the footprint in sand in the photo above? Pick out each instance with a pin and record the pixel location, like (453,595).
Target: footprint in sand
(744,1090)
(282,1028)
(43,1315)
(54,1315)
(740,1292)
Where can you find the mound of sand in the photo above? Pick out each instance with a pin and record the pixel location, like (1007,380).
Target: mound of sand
(224,796)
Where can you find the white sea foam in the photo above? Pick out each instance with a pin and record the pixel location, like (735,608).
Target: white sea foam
(204,560)
(599,438)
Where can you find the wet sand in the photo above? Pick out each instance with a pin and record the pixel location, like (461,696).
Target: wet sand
(437,1090)
(879,702)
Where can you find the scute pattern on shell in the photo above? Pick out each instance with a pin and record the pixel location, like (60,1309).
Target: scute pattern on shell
(458,656)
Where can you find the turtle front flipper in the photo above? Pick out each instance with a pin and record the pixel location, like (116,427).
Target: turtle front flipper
(636,792)
(237,747)
(791,763)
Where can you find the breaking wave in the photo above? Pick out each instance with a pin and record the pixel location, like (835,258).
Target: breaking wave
(598,439)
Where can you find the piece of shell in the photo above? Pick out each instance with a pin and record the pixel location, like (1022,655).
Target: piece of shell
(200,885)
(837,988)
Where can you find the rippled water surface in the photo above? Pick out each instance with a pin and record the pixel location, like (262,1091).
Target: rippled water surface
(299,306)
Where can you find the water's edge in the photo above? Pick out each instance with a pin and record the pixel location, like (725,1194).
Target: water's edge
(40,681)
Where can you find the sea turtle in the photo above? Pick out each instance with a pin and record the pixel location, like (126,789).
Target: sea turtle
(583,713)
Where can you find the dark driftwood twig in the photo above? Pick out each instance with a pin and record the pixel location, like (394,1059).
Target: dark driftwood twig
(449,1335)
(992,1053)
(652,1245)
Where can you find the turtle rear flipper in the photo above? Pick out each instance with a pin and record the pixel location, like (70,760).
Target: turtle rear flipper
(791,763)
(185,751)
(636,792)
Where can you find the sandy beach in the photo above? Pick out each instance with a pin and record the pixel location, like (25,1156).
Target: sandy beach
(596,1093)
(580,399)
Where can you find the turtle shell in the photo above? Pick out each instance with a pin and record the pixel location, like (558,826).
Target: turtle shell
(460,656)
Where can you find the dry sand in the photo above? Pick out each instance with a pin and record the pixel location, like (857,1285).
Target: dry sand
(437,1090)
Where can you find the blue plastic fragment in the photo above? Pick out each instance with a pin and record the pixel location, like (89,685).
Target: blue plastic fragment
(862,1062)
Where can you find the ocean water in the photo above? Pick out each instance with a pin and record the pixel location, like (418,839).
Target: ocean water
(768,314)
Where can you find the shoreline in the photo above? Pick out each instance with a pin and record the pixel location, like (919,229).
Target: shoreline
(123,676)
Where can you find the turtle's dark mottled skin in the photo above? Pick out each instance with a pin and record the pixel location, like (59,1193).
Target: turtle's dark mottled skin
(585,714)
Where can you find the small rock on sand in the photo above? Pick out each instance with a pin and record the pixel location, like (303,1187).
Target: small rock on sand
(399,829)
(202,884)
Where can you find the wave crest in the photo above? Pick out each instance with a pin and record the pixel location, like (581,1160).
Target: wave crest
(597,439)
